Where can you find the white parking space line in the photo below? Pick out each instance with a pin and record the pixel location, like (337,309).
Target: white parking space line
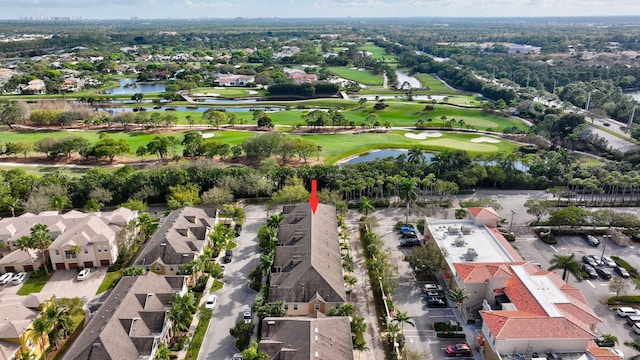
(554,248)
(590,283)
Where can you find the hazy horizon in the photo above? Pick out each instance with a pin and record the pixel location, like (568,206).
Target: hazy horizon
(300,9)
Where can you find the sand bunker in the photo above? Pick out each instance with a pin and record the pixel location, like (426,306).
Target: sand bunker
(252,92)
(485,139)
(208,135)
(423,135)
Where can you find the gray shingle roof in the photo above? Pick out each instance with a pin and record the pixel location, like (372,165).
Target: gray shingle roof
(125,326)
(180,237)
(303,338)
(308,257)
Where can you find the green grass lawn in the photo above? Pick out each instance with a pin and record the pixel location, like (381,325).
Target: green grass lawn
(340,146)
(378,53)
(109,280)
(436,87)
(197,339)
(217,285)
(365,77)
(43,170)
(34,284)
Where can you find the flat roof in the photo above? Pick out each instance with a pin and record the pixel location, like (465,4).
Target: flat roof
(546,293)
(460,238)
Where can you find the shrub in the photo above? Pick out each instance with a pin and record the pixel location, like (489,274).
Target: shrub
(200,284)
(624,300)
(632,270)
(420,225)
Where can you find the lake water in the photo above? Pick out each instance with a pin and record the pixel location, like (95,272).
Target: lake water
(381,154)
(131,86)
(413,82)
(634,94)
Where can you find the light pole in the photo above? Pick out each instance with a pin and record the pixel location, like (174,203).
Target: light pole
(604,247)
(511,222)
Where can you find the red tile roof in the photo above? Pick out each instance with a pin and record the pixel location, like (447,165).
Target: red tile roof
(601,353)
(522,325)
(483,213)
(505,244)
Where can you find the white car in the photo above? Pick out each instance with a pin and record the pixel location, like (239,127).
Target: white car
(608,261)
(6,278)
(19,278)
(211,302)
(83,274)
(625,311)
(636,328)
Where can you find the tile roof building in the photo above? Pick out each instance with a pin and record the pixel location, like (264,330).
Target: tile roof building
(93,234)
(303,338)
(307,267)
(522,308)
(179,239)
(132,322)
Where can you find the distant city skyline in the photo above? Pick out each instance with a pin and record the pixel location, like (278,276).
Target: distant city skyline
(163,9)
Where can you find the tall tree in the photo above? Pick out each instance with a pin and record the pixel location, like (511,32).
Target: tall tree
(42,240)
(567,263)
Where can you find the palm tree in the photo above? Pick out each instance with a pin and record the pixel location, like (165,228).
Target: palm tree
(565,262)
(459,295)
(409,192)
(163,352)
(182,309)
(41,326)
(610,338)
(366,206)
(415,155)
(42,240)
(252,353)
(25,243)
(403,317)
(351,281)
(275,220)
(392,332)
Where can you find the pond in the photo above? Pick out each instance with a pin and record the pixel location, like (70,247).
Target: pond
(394,153)
(131,86)
(196,109)
(404,76)
(380,154)
(635,94)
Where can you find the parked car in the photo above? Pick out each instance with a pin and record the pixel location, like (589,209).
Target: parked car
(591,260)
(19,278)
(609,261)
(246,315)
(228,255)
(436,301)
(435,293)
(590,270)
(621,271)
(625,311)
(408,235)
(458,350)
(592,240)
(237,356)
(604,272)
(238,229)
(6,278)
(83,274)
(212,300)
(407,228)
(632,319)
(410,242)
(431,287)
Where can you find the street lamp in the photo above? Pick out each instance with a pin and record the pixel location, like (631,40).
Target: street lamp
(511,223)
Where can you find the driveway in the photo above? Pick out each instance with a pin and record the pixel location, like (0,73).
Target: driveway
(9,290)
(63,283)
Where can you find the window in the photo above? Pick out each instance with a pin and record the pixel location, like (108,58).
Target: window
(316,307)
(30,344)
(57,252)
(286,306)
(157,267)
(295,306)
(69,254)
(86,251)
(171,268)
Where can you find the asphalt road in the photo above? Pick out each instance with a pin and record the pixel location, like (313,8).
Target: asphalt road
(235,296)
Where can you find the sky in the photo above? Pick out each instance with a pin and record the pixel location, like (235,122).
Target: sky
(163,9)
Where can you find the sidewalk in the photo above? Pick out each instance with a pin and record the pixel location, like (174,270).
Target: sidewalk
(182,354)
(365,302)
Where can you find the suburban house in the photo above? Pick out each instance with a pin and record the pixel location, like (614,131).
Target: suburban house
(307,267)
(79,239)
(16,326)
(235,80)
(302,338)
(522,309)
(181,237)
(132,322)
(34,87)
(523,49)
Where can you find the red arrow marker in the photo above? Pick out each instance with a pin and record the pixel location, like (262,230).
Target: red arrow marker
(314,200)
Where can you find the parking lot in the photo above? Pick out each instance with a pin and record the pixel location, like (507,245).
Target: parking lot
(596,290)
(410,296)
(63,283)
